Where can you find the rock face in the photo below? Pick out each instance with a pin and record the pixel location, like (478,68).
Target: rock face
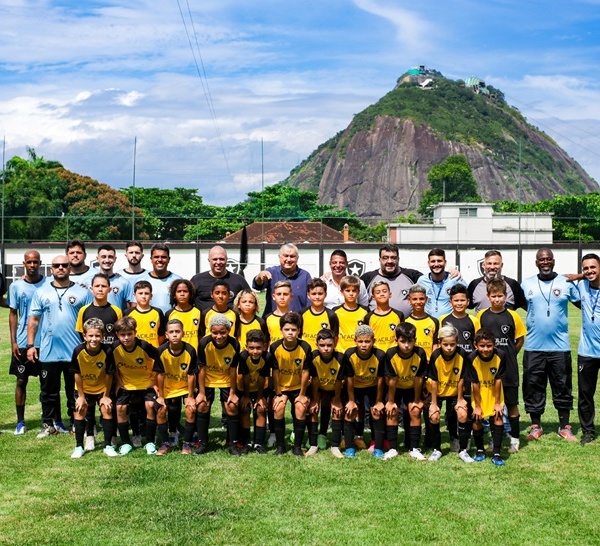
(381,172)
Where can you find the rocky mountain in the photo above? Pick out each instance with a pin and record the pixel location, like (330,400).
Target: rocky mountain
(377,167)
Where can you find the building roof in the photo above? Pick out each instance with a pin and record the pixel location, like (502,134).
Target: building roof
(287,232)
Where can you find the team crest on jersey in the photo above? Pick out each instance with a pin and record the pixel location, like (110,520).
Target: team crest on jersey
(427,331)
(227,360)
(557,292)
(332,371)
(530,293)
(298,361)
(392,327)
(109,328)
(467,335)
(324,325)
(152,324)
(493,371)
(356,268)
(21,368)
(505,328)
(139,360)
(455,370)
(413,369)
(405,293)
(115,290)
(72,300)
(183,366)
(99,365)
(372,370)
(195,321)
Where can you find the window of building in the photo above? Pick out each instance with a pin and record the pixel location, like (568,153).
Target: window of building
(464,212)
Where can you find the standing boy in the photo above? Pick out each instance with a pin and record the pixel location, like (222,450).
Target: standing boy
(383,319)
(350,314)
(316,317)
(282,298)
(150,320)
(427,326)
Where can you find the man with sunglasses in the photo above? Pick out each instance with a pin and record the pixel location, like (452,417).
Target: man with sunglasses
(55,305)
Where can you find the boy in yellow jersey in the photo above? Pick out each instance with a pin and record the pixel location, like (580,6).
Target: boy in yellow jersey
(486,372)
(176,367)
(150,320)
(350,314)
(292,358)
(100,308)
(282,296)
(219,293)
(316,317)
(253,372)
(427,326)
(246,306)
(326,394)
(182,297)
(383,319)
(93,368)
(362,369)
(218,357)
(135,381)
(405,367)
(445,382)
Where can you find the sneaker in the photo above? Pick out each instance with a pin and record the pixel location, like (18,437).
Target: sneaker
(47,430)
(497,460)
(416,454)
(21,428)
(567,434)
(297,451)
(312,450)
(454,445)
(174,439)
(335,451)
(587,438)
(136,440)
(359,443)
(150,448)
(479,456)
(390,454)
(280,450)
(246,449)
(90,443)
(164,449)
(110,451)
(535,433)
(435,456)
(186,449)
(514,445)
(201,449)
(322,441)
(60,428)
(350,453)
(260,449)
(125,449)
(378,453)
(465,457)
(78,452)
(234,450)
(271,441)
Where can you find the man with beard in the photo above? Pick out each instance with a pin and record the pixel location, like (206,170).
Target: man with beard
(134,253)
(160,277)
(78,270)
(492,269)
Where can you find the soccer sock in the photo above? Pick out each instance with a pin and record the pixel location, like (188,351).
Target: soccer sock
(279,427)
(349,429)
(392,435)
(244,435)
(415,437)
(202,422)
(325,417)
(109,431)
(271,420)
(174,417)
(359,427)
(428,442)
(536,419)
(299,426)
(464,432)
(436,437)
(260,433)
(150,430)
(515,426)
(478,438)
(563,419)
(336,433)
(378,432)
(189,432)
(124,432)
(497,432)
(134,419)
(313,433)
(90,422)
(20,412)
(163,433)
(233,429)
(79,432)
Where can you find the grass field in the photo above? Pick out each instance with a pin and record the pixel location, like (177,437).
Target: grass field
(548,493)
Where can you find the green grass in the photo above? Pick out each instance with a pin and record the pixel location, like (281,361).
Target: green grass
(546,494)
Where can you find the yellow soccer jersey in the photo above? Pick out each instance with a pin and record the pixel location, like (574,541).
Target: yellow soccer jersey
(313,323)
(384,327)
(290,364)
(108,314)
(191,324)
(272,321)
(486,373)
(427,332)
(242,328)
(92,368)
(177,369)
(326,371)
(257,371)
(405,369)
(364,370)
(150,324)
(447,372)
(205,320)
(135,367)
(349,322)
(217,361)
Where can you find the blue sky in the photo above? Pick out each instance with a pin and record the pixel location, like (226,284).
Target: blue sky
(80,80)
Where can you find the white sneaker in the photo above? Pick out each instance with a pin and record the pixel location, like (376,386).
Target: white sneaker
(312,450)
(335,451)
(416,454)
(271,441)
(390,454)
(90,443)
(136,441)
(514,445)
(465,457)
(47,430)
(21,428)
(77,453)
(150,448)
(110,451)
(435,456)
(125,449)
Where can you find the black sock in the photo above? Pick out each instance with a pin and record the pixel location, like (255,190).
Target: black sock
(279,427)
(349,429)
(233,429)
(20,413)
(336,433)
(124,433)
(163,433)
(497,432)
(313,433)
(260,433)
(464,433)
(324,419)
(109,431)
(79,432)
(563,418)
(378,432)
(150,431)
(436,437)
(414,437)
(244,435)
(299,426)
(188,434)
(515,426)
(478,438)
(202,422)
(536,419)
(392,436)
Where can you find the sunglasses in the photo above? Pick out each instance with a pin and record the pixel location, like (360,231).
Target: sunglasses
(58,266)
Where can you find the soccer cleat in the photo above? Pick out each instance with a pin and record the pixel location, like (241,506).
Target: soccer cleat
(535,433)
(78,452)
(21,428)
(465,457)
(125,449)
(60,428)
(378,453)
(372,446)
(312,450)
(280,450)
(479,456)
(454,445)
(136,440)
(164,449)
(150,448)
(271,441)
(416,454)
(90,443)
(234,450)
(567,434)
(186,449)
(359,443)
(497,460)
(350,453)
(110,451)
(587,438)
(174,439)
(514,445)
(246,449)
(390,454)
(335,451)
(297,451)
(260,449)
(201,449)
(47,430)
(322,441)
(435,456)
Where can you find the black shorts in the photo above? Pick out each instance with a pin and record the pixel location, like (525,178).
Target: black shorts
(511,396)
(253,395)
(175,403)
(23,368)
(210,394)
(125,397)
(369,392)
(91,399)
(404,396)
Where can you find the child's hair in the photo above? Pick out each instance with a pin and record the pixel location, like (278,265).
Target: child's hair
(281,284)
(349,280)
(417,289)
(291,317)
(173,291)
(100,276)
(406,330)
(174,322)
(325,333)
(219,319)
(142,284)
(496,285)
(93,323)
(379,283)
(484,334)
(125,324)
(255,336)
(240,295)
(219,282)
(448,331)
(364,330)
(458,289)
(316,282)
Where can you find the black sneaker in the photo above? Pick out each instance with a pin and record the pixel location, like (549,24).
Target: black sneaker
(587,438)
(280,450)
(246,449)
(260,449)
(200,449)
(297,451)
(234,450)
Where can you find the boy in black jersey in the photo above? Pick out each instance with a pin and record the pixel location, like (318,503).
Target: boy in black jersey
(465,323)
(427,326)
